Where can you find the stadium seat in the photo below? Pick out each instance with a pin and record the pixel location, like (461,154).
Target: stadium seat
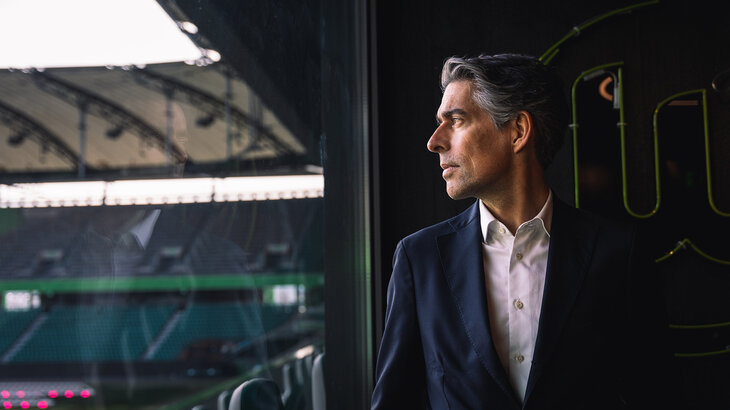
(293,396)
(318,393)
(307,363)
(256,394)
(119,331)
(223,321)
(13,324)
(224,399)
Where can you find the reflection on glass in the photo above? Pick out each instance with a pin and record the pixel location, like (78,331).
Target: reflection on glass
(160,216)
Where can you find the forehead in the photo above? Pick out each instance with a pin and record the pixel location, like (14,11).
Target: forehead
(457,95)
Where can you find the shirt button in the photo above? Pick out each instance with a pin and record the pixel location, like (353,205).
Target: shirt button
(519,358)
(518,256)
(518,304)
(501,230)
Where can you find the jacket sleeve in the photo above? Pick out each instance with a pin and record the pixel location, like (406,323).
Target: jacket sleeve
(400,370)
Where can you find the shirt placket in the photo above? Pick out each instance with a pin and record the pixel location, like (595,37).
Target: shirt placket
(519,303)
(500,243)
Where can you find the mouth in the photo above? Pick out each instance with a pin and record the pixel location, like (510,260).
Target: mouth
(448,169)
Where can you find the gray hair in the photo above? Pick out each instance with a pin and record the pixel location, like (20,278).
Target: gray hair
(505,84)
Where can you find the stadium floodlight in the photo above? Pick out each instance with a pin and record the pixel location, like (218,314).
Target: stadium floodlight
(114,132)
(214,55)
(18,138)
(52,194)
(304,352)
(188,27)
(268,188)
(160,191)
(90,33)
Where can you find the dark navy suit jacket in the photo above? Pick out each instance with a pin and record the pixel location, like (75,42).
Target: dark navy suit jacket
(600,335)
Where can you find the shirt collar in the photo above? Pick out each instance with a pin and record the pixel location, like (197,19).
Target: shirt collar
(143,230)
(545,217)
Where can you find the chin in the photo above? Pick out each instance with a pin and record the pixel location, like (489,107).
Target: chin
(456,194)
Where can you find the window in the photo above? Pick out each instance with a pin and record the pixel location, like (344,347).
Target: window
(161,216)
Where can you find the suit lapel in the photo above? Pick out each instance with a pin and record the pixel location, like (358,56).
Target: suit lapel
(461,258)
(571,246)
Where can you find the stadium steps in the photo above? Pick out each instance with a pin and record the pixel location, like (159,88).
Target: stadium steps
(93,333)
(223,321)
(18,328)
(164,333)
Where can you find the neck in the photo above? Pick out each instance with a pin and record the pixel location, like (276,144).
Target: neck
(520,203)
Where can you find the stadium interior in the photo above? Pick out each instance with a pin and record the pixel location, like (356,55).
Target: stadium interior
(165,301)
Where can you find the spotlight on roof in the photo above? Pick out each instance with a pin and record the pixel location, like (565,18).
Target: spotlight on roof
(16,139)
(205,121)
(188,27)
(114,132)
(213,55)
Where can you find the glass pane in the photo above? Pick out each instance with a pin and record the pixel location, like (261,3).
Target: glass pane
(161,214)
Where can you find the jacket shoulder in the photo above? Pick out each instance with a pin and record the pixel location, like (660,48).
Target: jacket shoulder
(430,233)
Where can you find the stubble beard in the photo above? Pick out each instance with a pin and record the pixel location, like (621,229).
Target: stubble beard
(459,188)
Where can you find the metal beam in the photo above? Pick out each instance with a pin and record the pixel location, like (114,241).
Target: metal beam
(105,109)
(18,121)
(214,106)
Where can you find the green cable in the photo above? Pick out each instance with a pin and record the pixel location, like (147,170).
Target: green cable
(702,354)
(553,50)
(706,132)
(622,127)
(574,124)
(708,167)
(624,174)
(682,245)
(705,326)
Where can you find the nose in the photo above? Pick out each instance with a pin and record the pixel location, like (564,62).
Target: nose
(439,140)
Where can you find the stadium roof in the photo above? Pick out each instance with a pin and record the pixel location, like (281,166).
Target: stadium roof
(81,33)
(113,110)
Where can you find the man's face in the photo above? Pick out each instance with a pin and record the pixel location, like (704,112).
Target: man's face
(475,156)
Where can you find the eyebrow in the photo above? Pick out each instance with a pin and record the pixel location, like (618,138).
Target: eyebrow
(449,113)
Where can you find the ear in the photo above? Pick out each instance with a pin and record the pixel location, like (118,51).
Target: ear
(522,132)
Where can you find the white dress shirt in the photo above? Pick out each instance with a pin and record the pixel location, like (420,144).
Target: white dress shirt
(514,268)
(126,256)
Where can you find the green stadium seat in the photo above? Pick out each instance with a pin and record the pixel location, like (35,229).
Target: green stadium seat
(94,333)
(256,394)
(13,324)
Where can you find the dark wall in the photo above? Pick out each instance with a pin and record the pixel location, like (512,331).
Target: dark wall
(667,47)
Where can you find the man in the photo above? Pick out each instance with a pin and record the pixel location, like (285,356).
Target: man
(520,302)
